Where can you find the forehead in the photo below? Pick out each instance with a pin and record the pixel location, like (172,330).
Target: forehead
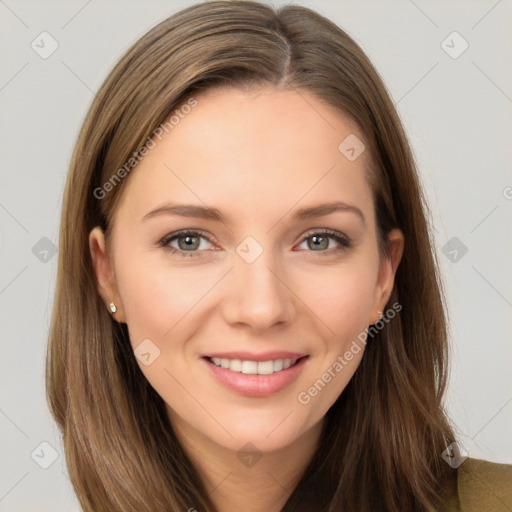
(255,149)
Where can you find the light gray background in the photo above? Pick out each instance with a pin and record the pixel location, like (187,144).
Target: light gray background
(457,112)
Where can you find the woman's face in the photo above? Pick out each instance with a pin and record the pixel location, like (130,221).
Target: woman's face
(258,281)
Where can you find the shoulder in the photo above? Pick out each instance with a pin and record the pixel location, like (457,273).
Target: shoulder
(480,486)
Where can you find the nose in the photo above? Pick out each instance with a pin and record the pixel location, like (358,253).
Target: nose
(258,295)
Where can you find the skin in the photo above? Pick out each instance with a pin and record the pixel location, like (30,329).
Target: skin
(258,156)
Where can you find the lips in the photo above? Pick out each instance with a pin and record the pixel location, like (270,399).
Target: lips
(255,375)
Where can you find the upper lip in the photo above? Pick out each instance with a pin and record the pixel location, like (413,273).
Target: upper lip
(263,356)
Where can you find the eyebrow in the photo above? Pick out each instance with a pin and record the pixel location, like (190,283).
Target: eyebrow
(202,212)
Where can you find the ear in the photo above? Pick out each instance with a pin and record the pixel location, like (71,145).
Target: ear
(387,271)
(104,272)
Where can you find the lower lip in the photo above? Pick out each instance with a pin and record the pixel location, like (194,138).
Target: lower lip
(256,385)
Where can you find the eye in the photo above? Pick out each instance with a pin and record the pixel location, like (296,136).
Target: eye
(188,243)
(320,241)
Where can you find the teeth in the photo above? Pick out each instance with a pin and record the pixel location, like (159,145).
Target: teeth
(278,365)
(254,367)
(265,367)
(235,365)
(250,367)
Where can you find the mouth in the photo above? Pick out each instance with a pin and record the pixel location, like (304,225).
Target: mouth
(250,367)
(251,378)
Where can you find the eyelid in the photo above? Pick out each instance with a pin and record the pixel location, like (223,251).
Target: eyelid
(187,231)
(326,231)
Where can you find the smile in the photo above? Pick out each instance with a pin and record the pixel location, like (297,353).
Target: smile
(254,367)
(254,379)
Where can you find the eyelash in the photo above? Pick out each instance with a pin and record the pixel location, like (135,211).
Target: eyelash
(343,240)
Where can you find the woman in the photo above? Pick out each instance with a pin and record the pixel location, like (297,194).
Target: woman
(201,356)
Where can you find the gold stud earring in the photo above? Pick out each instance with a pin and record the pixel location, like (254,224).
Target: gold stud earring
(113,308)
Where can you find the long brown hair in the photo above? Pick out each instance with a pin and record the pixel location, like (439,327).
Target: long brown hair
(383,438)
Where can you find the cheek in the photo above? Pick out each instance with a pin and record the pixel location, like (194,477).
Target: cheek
(343,301)
(157,297)
(343,305)
(342,298)
(158,301)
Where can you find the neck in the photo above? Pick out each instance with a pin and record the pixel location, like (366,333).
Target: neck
(252,482)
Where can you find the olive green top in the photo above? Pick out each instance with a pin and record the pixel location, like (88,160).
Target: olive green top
(479,486)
